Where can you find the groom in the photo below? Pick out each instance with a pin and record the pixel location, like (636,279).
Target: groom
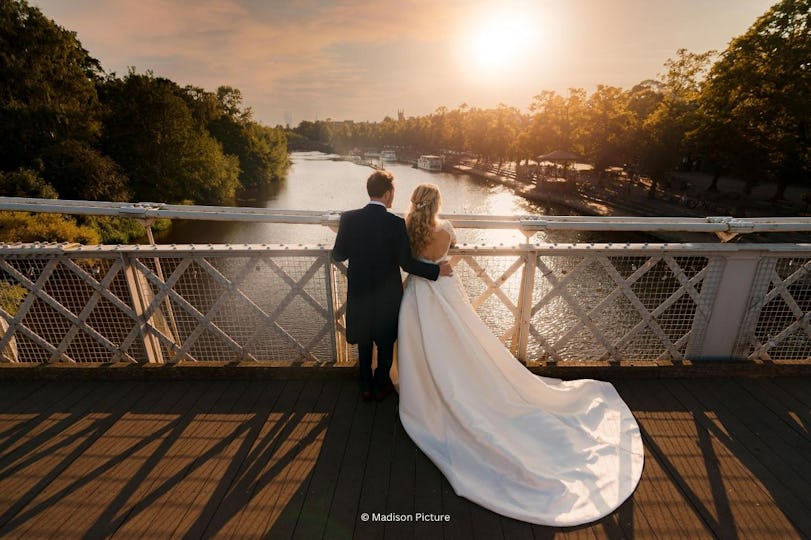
(376,244)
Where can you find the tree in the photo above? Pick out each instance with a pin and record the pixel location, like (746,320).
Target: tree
(662,140)
(47,86)
(607,127)
(78,171)
(25,183)
(151,133)
(756,107)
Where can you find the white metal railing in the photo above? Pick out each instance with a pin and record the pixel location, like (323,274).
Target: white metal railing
(279,303)
(163,304)
(529,224)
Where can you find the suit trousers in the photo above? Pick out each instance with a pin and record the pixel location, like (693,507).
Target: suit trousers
(380,380)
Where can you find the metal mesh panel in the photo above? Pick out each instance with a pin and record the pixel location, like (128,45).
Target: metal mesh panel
(493,285)
(225,308)
(71,315)
(777,324)
(594,307)
(275,305)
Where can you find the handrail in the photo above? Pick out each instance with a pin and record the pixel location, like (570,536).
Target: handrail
(329,218)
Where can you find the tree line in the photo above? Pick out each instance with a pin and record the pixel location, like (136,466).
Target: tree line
(745,112)
(74,132)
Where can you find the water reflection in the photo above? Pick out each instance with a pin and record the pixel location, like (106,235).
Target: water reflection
(318,181)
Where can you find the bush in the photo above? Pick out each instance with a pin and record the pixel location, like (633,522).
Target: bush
(25,227)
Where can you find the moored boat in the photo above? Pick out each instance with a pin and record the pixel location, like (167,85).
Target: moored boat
(430,163)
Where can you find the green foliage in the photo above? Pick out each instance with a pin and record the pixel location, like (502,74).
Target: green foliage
(25,227)
(25,183)
(116,230)
(755,108)
(11,297)
(151,133)
(47,86)
(78,171)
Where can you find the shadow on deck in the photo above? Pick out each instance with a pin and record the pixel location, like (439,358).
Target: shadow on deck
(728,458)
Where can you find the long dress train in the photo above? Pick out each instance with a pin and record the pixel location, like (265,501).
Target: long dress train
(532,448)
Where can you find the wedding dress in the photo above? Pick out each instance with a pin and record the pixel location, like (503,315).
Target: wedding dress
(532,448)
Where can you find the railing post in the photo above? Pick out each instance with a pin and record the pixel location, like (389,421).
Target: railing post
(142,297)
(341,347)
(9,352)
(330,286)
(730,306)
(525,306)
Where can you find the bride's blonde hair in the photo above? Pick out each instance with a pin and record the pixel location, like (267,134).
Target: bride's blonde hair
(421,217)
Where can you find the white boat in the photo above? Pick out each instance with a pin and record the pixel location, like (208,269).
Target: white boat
(430,163)
(388,155)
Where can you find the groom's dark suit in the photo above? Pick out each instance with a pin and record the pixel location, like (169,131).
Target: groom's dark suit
(376,244)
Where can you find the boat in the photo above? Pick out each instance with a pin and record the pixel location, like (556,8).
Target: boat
(430,163)
(388,155)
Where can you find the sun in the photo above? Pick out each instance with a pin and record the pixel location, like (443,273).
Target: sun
(498,42)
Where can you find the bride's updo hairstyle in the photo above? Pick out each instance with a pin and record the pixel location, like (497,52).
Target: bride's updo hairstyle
(421,218)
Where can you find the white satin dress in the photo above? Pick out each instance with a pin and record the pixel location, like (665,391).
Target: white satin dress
(533,448)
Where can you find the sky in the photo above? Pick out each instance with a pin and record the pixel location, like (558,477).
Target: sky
(363,60)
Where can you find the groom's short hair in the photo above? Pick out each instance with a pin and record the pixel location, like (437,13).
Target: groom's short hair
(379,182)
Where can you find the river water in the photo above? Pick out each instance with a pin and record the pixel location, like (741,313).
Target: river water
(317,181)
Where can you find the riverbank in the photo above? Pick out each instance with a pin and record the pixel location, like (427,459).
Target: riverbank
(624,197)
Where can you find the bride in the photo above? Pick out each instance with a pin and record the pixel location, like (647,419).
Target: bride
(532,448)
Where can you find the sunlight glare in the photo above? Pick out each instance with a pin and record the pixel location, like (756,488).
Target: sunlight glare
(496,42)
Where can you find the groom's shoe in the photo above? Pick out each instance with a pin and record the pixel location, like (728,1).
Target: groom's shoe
(386,392)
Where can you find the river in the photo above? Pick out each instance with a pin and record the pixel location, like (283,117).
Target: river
(317,181)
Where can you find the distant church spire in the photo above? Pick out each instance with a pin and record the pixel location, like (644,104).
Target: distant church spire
(400,115)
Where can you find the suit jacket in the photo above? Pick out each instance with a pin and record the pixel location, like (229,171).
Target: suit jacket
(376,244)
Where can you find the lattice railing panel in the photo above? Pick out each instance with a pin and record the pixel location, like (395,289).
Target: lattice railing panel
(493,286)
(594,307)
(552,302)
(262,307)
(71,310)
(778,320)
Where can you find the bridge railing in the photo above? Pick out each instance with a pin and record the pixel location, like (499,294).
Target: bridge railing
(286,304)
(162,304)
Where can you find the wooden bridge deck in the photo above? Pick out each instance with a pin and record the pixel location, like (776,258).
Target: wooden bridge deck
(725,458)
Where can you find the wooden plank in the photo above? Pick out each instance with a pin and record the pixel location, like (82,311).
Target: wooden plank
(245,465)
(138,442)
(106,466)
(344,513)
(292,463)
(201,443)
(23,404)
(320,419)
(771,480)
(400,495)
(275,459)
(657,505)
(313,521)
(486,523)
(719,485)
(799,388)
(665,505)
(376,474)
(783,405)
(212,477)
(51,462)
(249,502)
(152,510)
(49,414)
